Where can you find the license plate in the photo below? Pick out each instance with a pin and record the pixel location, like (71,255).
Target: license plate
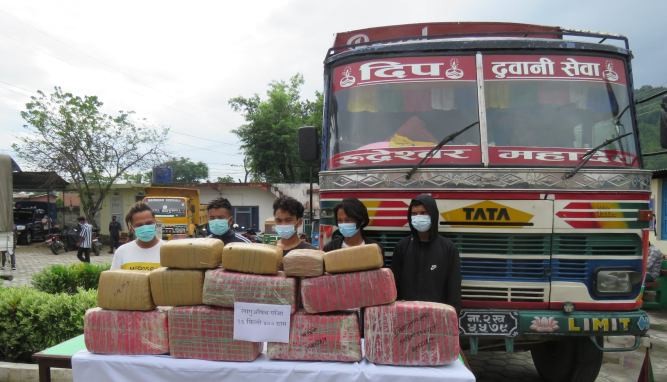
(489,323)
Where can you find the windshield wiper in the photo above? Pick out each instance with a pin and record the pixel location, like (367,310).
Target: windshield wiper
(443,142)
(589,154)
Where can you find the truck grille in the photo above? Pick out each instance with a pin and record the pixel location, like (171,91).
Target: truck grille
(498,293)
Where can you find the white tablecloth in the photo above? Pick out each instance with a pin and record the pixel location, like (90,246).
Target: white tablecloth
(88,367)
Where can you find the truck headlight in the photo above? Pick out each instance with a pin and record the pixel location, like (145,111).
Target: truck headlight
(616,281)
(20,227)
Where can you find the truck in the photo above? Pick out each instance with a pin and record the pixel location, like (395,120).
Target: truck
(177,210)
(526,137)
(7,233)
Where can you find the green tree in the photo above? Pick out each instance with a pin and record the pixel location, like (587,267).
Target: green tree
(69,134)
(226,179)
(269,137)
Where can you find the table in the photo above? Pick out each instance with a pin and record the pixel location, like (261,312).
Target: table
(102,368)
(58,356)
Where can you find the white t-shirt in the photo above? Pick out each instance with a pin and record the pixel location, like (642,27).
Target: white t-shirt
(132,256)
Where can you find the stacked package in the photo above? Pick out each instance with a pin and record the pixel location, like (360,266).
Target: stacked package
(180,280)
(126,321)
(205,332)
(413,333)
(224,288)
(250,274)
(126,332)
(320,337)
(304,263)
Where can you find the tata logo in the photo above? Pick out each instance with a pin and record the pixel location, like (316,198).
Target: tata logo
(487,214)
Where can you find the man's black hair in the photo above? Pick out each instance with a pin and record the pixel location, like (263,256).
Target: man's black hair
(290,205)
(135,209)
(219,203)
(355,209)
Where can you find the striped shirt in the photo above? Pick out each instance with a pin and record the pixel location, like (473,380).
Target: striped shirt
(86,235)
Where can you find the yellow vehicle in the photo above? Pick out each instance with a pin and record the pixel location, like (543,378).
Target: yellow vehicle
(177,210)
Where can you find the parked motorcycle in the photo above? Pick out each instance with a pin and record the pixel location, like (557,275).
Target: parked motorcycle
(54,243)
(71,240)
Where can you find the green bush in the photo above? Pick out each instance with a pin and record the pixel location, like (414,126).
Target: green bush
(68,278)
(31,321)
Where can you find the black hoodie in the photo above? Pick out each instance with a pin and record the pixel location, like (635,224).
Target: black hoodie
(427,270)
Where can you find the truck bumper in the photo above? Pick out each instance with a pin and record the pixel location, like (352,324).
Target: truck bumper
(509,323)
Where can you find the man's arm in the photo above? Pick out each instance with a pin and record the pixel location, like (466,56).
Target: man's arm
(453,292)
(397,265)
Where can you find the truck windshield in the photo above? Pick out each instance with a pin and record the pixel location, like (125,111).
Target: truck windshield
(167,207)
(23,216)
(550,110)
(539,111)
(392,112)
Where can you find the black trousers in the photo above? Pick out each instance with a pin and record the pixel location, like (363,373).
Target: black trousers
(84,254)
(115,242)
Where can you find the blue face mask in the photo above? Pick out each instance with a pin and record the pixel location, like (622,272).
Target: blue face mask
(348,229)
(145,233)
(218,227)
(422,223)
(285,231)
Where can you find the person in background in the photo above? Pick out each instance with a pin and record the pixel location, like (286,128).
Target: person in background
(114,234)
(85,240)
(426,265)
(221,221)
(142,254)
(351,219)
(288,215)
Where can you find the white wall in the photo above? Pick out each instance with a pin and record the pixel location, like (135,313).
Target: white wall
(300,192)
(243,197)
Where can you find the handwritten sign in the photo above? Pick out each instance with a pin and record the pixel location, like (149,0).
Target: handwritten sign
(261,322)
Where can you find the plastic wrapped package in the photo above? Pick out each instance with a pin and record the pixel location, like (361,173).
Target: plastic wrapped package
(126,332)
(411,333)
(320,337)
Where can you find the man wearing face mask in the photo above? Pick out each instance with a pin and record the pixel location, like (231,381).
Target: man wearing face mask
(142,254)
(220,222)
(426,265)
(288,215)
(351,218)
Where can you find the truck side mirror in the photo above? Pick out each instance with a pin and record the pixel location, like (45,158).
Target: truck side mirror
(663,123)
(308,143)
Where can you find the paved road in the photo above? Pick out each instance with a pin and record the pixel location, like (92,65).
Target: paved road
(487,366)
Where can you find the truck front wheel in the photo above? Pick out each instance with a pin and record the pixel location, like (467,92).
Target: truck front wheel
(571,359)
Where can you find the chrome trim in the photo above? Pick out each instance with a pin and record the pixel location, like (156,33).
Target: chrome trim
(486,178)
(481,102)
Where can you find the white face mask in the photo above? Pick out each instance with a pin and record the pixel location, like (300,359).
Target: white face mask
(422,223)
(285,231)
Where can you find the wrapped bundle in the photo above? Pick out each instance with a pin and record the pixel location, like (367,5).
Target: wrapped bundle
(320,337)
(202,253)
(304,263)
(343,291)
(124,290)
(412,333)
(176,287)
(205,332)
(261,259)
(223,288)
(352,259)
(126,332)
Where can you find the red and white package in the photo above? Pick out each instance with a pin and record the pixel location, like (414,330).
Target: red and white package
(206,332)
(411,333)
(320,337)
(126,332)
(223,288)
(345,291)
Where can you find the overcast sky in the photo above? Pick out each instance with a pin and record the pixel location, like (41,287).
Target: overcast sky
(178,63)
